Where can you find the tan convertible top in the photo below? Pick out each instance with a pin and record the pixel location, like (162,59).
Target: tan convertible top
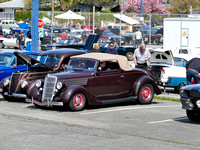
(122,60)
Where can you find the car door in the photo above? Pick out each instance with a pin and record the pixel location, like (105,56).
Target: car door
(108,84)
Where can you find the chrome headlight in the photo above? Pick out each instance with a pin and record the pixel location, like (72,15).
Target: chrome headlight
(6,82)
(24,84)
(182,93)
(59,85)
(38,83)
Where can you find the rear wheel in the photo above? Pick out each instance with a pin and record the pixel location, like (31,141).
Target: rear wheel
(177,88)
(77,102)
(146,94)
(193,115)
(156,41)
(129,55)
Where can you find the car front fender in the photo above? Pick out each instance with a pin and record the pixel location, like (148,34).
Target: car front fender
(145,80)
(71,90)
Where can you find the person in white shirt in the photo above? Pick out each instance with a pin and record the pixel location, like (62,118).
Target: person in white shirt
(138,38)
(141,55)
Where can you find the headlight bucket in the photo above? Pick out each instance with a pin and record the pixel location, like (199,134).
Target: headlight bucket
(59,85)
(24,84)
(6,82)
(38,83)
(182,93)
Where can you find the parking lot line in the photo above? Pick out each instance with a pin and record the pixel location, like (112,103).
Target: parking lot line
(168,120)
(129,108)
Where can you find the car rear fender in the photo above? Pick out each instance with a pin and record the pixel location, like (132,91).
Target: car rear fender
(145,80)
(71,90)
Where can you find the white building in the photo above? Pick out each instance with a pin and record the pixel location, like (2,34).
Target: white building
(7,9)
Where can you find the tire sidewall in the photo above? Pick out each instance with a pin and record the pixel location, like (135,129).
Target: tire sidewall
(141,99)
(71,105)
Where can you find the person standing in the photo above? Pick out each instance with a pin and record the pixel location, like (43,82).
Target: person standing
(63,35)
(133,38)
(141,55)
(111,49)
(138,38)
(192,70)
(21,41)
(27,21)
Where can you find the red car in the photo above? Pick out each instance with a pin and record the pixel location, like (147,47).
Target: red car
(86,81)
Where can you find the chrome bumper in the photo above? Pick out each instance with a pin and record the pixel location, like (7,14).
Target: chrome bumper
(16,95)
(47,104)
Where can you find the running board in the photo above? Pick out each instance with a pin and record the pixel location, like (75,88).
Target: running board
(119,100)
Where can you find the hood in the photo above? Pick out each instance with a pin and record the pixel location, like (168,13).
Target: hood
(73,74)
(29,61)
(194,87)
(4,68)
(160,57)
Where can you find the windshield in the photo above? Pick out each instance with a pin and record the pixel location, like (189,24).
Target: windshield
(180,62)
(82,63)
(5,59)
(50,61)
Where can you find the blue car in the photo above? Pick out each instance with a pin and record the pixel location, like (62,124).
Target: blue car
(9,63)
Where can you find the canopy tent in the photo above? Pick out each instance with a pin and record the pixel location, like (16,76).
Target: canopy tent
(13,4)
(126,19)
(69,15)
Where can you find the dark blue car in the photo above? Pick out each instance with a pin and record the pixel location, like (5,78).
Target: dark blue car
(9,63)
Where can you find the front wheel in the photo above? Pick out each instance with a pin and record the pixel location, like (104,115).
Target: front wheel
(193,115)
(77,102)
(156,41)
(146,94)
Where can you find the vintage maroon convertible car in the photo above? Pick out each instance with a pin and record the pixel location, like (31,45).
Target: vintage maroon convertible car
(20,83)
(86,82)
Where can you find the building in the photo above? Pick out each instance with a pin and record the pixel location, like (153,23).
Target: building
(7,9)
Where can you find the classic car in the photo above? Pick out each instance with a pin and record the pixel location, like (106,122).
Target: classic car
(18,85)
(85,82)
(155,35)
(62,43)
(190,100)
(169,70)
(9,63)
(10,40)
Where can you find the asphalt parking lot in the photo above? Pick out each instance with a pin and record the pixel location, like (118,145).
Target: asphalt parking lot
(160,125)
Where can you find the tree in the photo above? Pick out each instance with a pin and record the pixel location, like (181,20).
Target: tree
(149,6)
(183,6)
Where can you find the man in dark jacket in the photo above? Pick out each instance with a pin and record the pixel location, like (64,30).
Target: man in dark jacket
(21,41)
(193,69)
(111,49)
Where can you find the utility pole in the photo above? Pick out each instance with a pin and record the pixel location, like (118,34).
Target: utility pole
(34,29)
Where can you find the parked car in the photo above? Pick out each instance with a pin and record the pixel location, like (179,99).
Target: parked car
(169,70)
(62,43)
(113,37)
(47,38)
(84,82)
(156,37)
(10,40)
(19,84)
(128,38)
(127,51)
(190,100)
(9,63)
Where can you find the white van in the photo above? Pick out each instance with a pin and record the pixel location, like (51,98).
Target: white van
(8,24)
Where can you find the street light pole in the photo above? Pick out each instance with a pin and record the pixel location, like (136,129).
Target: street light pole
(141,8)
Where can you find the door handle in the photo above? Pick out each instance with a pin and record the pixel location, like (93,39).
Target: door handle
(122,77)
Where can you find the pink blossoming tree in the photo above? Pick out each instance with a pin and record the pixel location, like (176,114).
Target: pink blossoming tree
(149,6)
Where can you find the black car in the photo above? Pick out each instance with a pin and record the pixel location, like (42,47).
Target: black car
(127,51)
(190,100)
(62,43)
(47,38)
(155,35)
(113,37)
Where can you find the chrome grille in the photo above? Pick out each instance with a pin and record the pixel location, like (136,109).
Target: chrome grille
(49,88)
(14,82)
(195,94)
